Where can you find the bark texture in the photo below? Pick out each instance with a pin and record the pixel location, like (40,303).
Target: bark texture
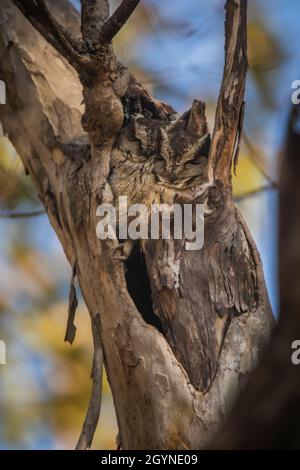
(180,330)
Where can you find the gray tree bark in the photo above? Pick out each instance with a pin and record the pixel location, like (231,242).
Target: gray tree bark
(180,331)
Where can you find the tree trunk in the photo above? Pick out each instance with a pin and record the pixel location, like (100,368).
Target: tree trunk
(180,330)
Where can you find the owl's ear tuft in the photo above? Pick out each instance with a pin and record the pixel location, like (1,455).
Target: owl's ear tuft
(197,124)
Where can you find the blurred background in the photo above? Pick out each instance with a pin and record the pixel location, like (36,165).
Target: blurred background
(176,49)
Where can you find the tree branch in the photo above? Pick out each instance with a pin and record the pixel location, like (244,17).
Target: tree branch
(229,113)
(93,412)
(71,44)
(254,192)
(38,14)
(259,160)
(21,215)
(93,16)
(114,24)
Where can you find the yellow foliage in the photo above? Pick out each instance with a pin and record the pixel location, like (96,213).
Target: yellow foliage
(248,177)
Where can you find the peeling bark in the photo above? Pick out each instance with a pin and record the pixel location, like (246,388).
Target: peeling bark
(174,369)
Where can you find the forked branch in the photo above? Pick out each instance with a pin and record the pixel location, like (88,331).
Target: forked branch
(96,26)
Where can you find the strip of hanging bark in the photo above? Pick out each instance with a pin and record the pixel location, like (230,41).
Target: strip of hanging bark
(236,150)
(115,23)
(94,408)
(73,304)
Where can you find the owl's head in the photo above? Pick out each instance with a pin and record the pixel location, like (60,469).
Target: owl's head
(184,144)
